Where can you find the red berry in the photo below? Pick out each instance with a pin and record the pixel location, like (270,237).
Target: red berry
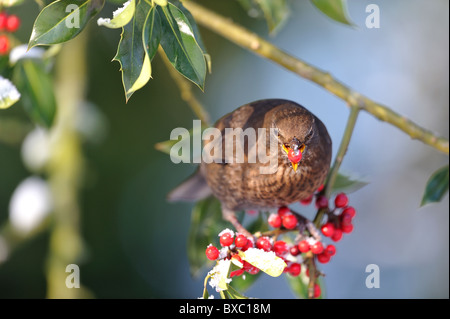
(289,221)
(328,229)
(248,245)
(274,220)
(337,235)
(4,44)
(317,291)
(264,243)
(294,156)
(307,201)
(317,248)
(321,187)
(283,211)
(236,272)
(303,246)
(294,251)
(247,265)
(341,200)
(323,258)
(240,241)
(212,253)
(252,270)
(321,202)
(350,211)
(345,218)
(226,239)
(280,247)
(347,228)
(295,269)
(3,19)
(12,23)
(330,250)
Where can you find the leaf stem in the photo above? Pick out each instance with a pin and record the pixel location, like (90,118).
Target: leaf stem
(249,40)
(186,92)
(345,141)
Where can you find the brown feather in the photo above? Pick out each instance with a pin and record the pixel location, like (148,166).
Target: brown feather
(241,186)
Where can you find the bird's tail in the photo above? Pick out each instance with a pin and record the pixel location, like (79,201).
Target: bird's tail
(193,189)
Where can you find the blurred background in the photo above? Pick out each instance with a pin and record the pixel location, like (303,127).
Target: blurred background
(134,242)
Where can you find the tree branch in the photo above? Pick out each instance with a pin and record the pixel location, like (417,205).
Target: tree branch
(248,40)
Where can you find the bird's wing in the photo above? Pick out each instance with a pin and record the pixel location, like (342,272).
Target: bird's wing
(193,189)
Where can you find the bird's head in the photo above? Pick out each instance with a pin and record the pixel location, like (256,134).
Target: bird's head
(296,129)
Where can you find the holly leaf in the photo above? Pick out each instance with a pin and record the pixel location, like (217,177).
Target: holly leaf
(347,184)
(437,186)
(36,88)
(252,8)
(267,262)
(242,283)
(194,134)
(180,45)
(197,34)
(275,12)
(121,16)
(334,9)
(232,293)
(62,20)
(299,285)
(151,34)
(161,2)
(151,37)
(132,55)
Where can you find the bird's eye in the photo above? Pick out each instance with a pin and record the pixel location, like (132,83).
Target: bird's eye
(302,147)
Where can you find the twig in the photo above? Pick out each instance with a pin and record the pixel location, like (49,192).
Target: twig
(243,37)
(345,141)
(312,274)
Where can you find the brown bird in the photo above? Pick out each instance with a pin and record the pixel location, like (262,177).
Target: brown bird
(295,166)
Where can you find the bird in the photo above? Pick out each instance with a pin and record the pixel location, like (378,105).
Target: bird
(298,162)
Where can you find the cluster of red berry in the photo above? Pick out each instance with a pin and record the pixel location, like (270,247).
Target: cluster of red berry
(8,23)
(231,244)
(285,218)
(338,221)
